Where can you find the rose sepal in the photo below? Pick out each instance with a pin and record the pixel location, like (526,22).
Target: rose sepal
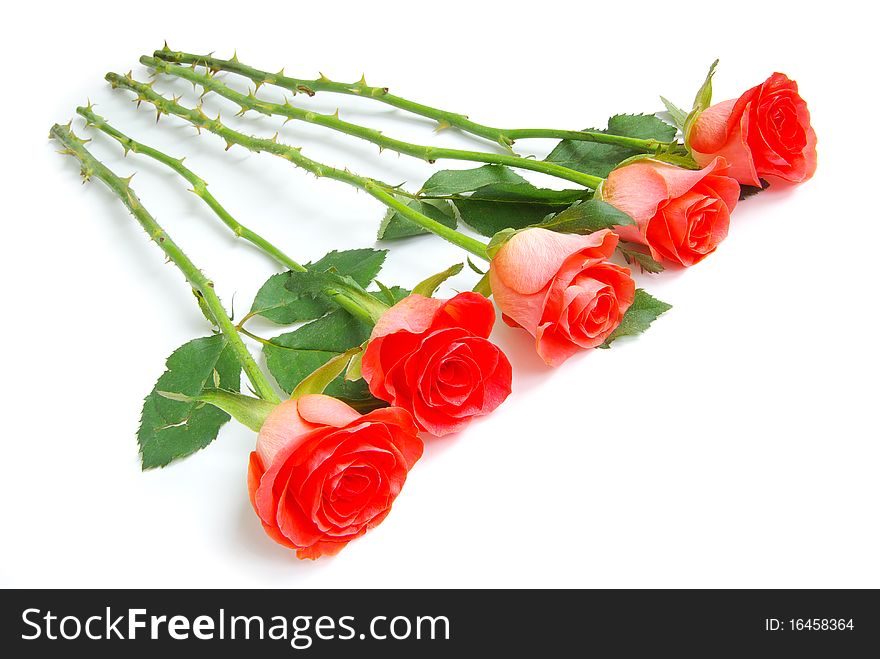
(247,410)
(702,101)
(430,285)
(319,379)
(499,240)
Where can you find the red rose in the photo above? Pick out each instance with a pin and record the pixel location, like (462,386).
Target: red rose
(765,132)
(323,475)
(680,214)
(561,289)
(433,358)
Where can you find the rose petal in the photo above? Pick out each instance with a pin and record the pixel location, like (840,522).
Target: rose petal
(326,410)
(414,314)
(529,260)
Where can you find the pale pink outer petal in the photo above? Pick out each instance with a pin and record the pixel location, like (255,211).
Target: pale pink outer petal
(413,313)
(326,411)
(680,180)
(709,132)
(636,189)
(711,137)
(529,260)
(524,310)
(640,188)
(291,420)
(283,425)
(528,310)
(553,350)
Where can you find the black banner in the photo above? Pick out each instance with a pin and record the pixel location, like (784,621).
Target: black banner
(416,623)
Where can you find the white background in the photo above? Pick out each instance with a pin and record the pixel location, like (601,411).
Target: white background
(735,444)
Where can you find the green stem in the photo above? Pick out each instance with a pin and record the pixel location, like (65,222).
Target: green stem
(377,189)
(504,137)
(200,187)
(121,187)
(365,306)
(428,153)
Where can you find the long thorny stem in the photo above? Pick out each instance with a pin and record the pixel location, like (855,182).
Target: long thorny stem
(91,167)
(428,153)
(377,189)
(366,312)
(505,137)
(200,187)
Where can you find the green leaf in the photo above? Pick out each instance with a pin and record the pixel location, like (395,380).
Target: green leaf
(599,159)
(432,283)
(746,191)
(526,193)
(497,207)
(456,181)
(644,311)
(342,290)
(641,126)
(294,355)
(276,303)
(646,262)
(172,429)
(678,115)
(279,304)
(394,226)
(362,264)
(587,217)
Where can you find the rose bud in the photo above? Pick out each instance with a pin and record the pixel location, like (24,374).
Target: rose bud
(765,132)
(433,358)
(681,214)
(323,474)
(561,289)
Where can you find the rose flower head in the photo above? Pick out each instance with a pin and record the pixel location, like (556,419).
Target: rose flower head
(766,132)
(323,474)
(681,214)
(561,289)
(434,359)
